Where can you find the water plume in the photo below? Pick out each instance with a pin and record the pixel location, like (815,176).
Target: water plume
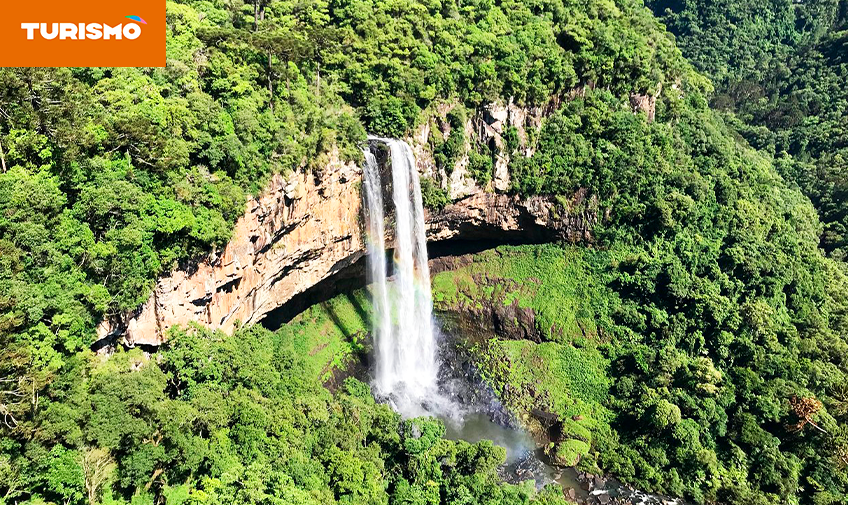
(405,340)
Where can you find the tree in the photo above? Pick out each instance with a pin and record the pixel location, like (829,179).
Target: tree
(805,408)
(98,466)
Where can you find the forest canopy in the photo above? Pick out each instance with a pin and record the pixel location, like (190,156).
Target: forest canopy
(721,325)
(782,68)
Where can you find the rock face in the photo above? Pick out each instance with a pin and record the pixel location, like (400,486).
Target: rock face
(494,216)
(305,229)
(646,103)
(491,126)
(486,131)
(299,232)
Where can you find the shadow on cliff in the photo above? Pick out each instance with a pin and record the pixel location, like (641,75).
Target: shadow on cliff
(360,310)
(334,317)
(352,277)
(345,281)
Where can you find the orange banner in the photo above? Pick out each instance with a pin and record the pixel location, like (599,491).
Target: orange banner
(86,33)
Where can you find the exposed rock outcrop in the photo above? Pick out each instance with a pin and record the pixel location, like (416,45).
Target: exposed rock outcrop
(300,231)
(504,217)
(488,127)
(306,228)
(646,102)
(491,126)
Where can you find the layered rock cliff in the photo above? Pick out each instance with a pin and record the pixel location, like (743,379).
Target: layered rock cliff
(306,228)
(299,231)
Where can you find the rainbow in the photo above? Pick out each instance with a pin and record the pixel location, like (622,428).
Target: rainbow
(136,18)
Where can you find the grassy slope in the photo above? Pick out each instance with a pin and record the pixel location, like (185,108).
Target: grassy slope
(553,281)
(566,374)
(330,333)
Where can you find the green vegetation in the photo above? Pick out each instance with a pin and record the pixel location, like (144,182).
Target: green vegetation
(111,176)
(446,151)
(481,164)
(782,69)
(716,311)
(696,347)
(331,334)
(714,316)
(548,279)
(732,41)
(556,378)
(433,196)
(565,375)
(240,419)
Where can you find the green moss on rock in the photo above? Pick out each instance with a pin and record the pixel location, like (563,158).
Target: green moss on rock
(567,452)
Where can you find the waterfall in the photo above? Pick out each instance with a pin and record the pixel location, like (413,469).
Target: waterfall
(404,339)
(376,260)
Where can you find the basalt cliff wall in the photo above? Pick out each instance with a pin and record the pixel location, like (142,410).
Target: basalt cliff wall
(306,228)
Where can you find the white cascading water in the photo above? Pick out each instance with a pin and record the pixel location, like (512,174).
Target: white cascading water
(406,354)
(376,240)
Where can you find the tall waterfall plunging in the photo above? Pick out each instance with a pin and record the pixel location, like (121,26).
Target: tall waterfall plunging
(404,339)
(407,371)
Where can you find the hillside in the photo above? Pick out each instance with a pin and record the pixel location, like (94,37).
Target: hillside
(781,68)
(695,338)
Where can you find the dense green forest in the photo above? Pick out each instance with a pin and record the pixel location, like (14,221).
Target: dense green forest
(707,305)
(782,68)
(703,333)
